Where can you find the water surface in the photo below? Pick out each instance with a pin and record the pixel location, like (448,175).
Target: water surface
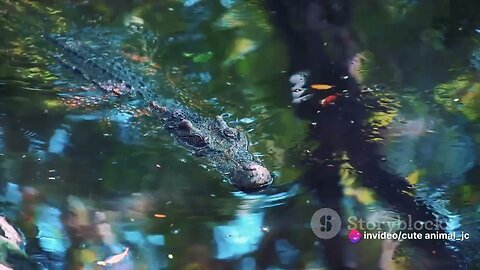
(84,181)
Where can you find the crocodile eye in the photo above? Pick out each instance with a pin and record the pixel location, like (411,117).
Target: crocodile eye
(197,140)
(230,133)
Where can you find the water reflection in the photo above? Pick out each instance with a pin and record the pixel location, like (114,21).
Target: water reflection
(97,187)
(431,144)
(240,236)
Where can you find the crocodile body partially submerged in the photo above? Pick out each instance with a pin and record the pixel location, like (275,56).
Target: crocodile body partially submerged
(225,147)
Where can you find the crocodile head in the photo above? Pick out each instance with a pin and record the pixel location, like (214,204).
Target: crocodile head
(225,147)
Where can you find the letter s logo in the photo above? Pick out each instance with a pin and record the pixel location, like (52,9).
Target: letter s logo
(325,223)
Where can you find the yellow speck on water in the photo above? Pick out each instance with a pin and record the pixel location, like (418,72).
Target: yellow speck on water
(364,196)
(87,256)
(471,101)
(241,47)
(413,177)
(52,11)
(52,103)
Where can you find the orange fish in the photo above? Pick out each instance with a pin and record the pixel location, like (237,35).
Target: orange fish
(328,100)
(321,86)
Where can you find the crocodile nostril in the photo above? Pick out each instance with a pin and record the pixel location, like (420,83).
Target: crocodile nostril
(249,167)
(251,176)
(257,173)
(185,124)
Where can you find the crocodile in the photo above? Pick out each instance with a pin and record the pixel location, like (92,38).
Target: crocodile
(225,147)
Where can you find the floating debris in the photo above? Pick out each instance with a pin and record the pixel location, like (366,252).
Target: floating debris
(4,267)
(321,86)
(11,235)
(328,100)
(160,216)
(203,57)
(114,259)
(241,47)
(199,58)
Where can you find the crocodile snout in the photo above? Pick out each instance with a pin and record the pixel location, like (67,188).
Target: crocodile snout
(251,176)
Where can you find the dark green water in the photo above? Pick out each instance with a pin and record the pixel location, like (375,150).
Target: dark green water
(83,183)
